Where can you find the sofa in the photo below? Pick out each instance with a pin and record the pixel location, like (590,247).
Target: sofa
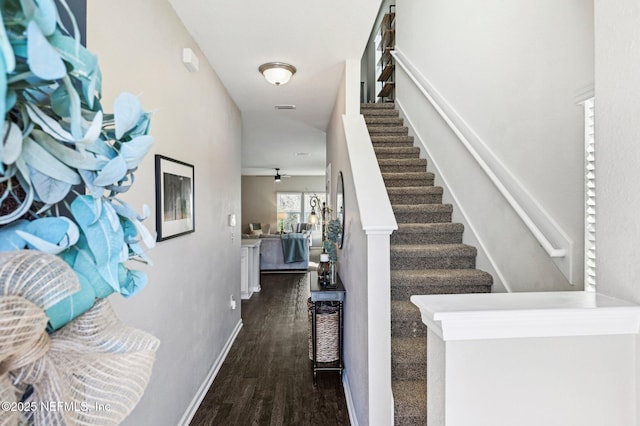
(272,256)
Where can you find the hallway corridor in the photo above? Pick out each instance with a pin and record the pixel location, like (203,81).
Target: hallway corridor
(266,378)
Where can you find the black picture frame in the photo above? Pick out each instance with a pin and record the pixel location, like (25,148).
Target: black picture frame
(175,198)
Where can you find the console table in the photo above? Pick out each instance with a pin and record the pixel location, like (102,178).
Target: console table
(321,294)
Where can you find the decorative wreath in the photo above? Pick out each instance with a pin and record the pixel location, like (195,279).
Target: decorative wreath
(66,238)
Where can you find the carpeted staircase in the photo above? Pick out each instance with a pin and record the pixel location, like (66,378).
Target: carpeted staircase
(427,255)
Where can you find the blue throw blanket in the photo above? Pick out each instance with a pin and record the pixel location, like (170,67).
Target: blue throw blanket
(293,247)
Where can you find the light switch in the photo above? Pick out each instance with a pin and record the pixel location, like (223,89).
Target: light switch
(232,219)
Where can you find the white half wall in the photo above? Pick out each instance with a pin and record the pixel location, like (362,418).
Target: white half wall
(352,266)
(186,303)
(512,71)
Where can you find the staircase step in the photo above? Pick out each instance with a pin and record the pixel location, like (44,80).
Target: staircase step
(391,139)
(377,105)
(385,151)
(408,179)
(408,358)
(406,320)
(422,213)
(405,283)
(410,402)
(379,112)
(388,130)
(383,121)
(427,233)
(433,256)
(415,195)
(399,165)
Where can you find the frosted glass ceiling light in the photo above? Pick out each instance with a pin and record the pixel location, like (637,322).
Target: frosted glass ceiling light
(277,72)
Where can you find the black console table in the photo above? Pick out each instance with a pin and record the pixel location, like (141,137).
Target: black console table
(326,294)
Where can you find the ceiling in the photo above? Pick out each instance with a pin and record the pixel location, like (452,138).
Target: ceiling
(315,36)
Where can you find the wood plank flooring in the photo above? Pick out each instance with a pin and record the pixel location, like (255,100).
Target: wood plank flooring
(266,378)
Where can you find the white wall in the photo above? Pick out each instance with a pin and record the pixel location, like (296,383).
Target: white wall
(512,70)
(617,148)
(352,265)
(186,303)
(617,66)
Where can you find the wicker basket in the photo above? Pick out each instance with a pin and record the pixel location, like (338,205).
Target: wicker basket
(327,323)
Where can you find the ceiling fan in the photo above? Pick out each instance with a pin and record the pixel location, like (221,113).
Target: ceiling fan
(278,176)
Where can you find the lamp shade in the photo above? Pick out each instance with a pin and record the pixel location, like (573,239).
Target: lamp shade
(277,72)
(313,218)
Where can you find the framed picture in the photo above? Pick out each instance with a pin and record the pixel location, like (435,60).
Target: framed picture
(174,198)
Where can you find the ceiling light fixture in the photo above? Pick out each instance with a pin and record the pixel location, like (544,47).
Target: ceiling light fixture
(277,176)
(277,72)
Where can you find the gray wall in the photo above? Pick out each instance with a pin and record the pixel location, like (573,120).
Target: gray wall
(186,303)
(259,197)
(512,71)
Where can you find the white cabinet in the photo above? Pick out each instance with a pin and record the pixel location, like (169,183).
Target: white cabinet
(250,268)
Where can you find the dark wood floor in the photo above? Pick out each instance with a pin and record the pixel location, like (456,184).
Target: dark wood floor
(266,378)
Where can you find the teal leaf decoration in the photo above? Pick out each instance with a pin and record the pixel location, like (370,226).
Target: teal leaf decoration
(101,148)
(46,15)
(127,112)
(11,144)
(105,243)
(3,88)
(71,157)
(112,216)
(60,101)
(87,178)
(135,150)
(9,238)
(39,159)
(50,234)
(85,265)
(6,50)
(93,86)
(130,217)
(48,189)
(114,171)
(48,124)
(93,133)
(83,62)
(74,109)
(73,306)
(132,281)
(44,61)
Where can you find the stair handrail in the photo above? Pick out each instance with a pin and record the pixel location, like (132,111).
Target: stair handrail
(533,228)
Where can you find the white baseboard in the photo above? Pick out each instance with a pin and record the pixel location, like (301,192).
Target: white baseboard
(206,384)
(347,396)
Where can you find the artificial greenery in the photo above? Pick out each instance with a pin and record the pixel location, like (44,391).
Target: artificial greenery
(63,160)
(329,244)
